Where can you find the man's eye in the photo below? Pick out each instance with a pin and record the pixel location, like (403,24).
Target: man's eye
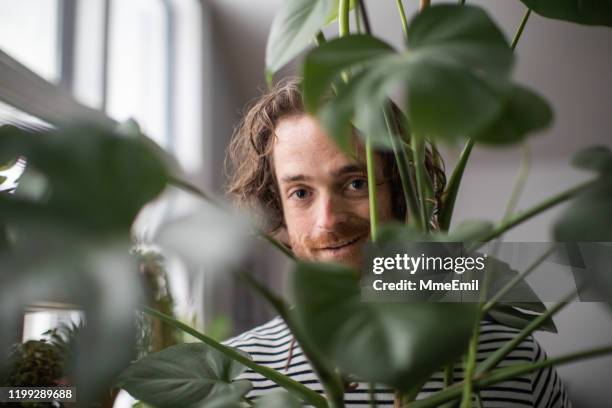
(358,184)
(300,193)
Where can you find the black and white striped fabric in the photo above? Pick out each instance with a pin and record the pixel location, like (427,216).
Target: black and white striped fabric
(270,345)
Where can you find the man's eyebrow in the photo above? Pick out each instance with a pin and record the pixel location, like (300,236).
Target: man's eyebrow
(350,168)
(297,177)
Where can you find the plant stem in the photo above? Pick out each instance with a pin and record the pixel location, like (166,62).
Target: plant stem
(364,15)
(449,374)
(506,373)
(450,195)
(371,188)
(470,365)
(520,29)
(523,216)
(301,391)
(521,179)
(452,190)
(343,18)
(372,394)
(320,38)
(403,166)
(402,13)
(424,4)
(331,382)
(508,286)
(500,353)
(478,400)
(418,146)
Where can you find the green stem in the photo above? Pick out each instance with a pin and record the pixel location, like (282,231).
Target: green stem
(507,373)
(521,180)
(500,353)
(521,27)
(478,400)
(524,215)
(372,394)
(419,165)
(301,391)
(452,190)
(402,13)
(320,38)
(508,286)
(449,374)
(344,7)
(450,195)
(371,188)
(470,365)
(332,383)
(403,166)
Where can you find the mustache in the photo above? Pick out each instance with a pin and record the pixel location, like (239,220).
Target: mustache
(342,233)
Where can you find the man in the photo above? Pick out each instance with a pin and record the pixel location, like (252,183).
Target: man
(314,198)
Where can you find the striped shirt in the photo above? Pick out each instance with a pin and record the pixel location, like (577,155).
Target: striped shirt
(270,345)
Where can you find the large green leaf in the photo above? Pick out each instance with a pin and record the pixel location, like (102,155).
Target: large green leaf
(328,60)
(183,375)
(97,180)
(295,25)
(454,73)
(398,344)
(589,218)
(591,12)
(523,113)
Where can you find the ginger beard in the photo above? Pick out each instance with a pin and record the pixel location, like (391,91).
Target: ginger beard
(324,193)
(342,245)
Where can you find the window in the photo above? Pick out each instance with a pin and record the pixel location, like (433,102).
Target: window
(136,59)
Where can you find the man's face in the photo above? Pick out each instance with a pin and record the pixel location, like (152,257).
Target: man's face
(324,193)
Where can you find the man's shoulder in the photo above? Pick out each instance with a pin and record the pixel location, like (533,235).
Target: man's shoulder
(271,332)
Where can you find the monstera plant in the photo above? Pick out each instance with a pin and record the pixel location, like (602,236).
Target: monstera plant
(454,75)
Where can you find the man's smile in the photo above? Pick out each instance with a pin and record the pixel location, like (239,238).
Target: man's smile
(343,245)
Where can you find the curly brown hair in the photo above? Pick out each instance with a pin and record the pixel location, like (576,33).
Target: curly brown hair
(250,170)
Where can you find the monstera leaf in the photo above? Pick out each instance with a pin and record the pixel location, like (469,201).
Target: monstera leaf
(589,219)
(591,12)
(190,374)
(524,112)
(97,181)
(456,67)
(295,25)
(398,344)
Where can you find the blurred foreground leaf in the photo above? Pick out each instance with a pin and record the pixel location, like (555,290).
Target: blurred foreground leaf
(97,277)
(97,181)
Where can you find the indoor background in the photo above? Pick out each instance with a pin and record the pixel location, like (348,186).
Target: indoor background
(185,69)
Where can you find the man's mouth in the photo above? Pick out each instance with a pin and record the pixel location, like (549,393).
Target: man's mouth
(343,244)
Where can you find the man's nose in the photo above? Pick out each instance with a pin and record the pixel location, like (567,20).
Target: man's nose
(330,212)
